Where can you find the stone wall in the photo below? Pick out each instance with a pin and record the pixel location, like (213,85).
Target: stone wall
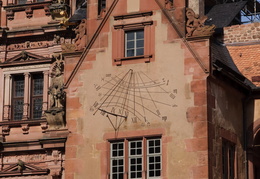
(242,33)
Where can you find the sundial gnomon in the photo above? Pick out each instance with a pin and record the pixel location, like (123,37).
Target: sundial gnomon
(132,95)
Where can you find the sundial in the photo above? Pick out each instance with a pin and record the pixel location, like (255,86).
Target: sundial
(132,96)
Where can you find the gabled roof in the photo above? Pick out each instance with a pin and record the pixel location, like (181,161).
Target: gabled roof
(25,58)
(23,169)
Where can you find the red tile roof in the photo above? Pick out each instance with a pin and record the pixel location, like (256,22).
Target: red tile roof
(247,59)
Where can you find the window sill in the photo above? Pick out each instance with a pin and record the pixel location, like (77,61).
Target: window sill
(146,59)
(18,123)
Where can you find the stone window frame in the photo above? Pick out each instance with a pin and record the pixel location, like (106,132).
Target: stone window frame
(8,73)
(118,38)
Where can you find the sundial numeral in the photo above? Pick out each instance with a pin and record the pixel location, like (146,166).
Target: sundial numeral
(113,110)
(158,112)
(97,87)
(134,119)
(145,119)
(95,104)
(172,96)
(108,75)
(91,109)
(120,111)
(164,118)
(175,91)
(102,113)
(174,105)
(126,113)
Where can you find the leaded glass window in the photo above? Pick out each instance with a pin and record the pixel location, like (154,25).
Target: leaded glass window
(37,96)
(18,97)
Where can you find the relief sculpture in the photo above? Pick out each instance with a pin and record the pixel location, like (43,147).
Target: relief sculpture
(55,115)
(81,35)
(195,25)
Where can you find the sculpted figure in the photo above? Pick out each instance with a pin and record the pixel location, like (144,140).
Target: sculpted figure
(55,115)
(195,25)
(81,35)
(56,89)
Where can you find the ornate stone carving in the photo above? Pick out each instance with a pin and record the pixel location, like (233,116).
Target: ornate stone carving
(81,35)
(56,39)
(10,15)
(168,4)
(195,25)
(29,12)
(5,129)
(55,115)
(25,128)
(47,10)
(44,126)
(59,11)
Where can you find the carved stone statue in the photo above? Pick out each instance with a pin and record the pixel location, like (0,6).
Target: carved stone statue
(81,35)
(55,115)
(195,25)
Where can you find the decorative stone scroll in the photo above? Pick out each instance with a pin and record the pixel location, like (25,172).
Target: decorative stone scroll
(55,115)
(195,25)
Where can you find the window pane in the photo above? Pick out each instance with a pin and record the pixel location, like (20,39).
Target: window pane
(130,53)
(18,109)
(139,43)
(37,108)
(140,34)
(130,35)
(139,51)
(130,44)
(38,85)
(135,157)
(18,86)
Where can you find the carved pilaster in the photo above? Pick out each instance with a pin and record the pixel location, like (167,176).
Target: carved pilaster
(7,112)
(25,128)
(26,97)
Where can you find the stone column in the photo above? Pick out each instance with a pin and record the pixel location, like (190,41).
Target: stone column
(26,96)
(7,97)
